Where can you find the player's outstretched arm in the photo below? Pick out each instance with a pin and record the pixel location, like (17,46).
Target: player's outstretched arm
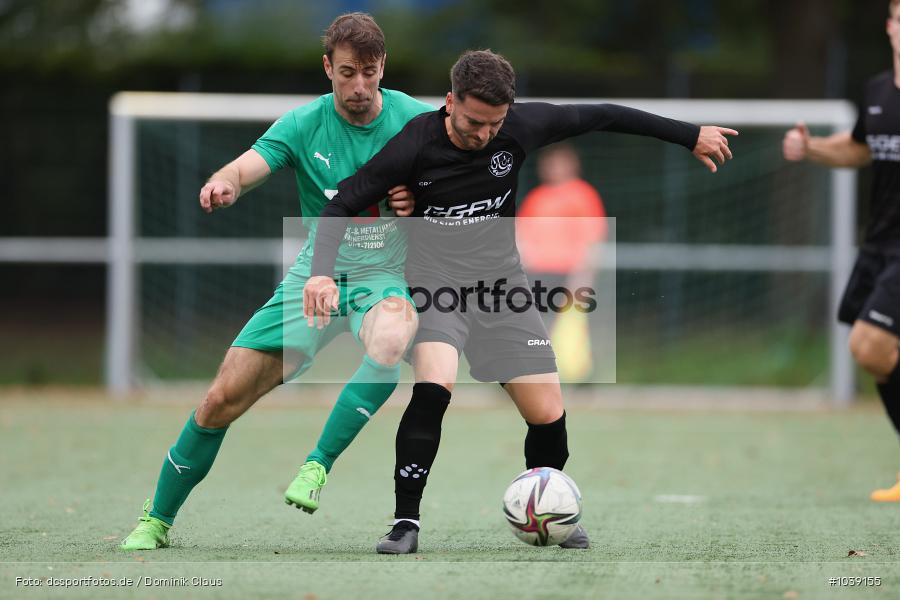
(543,123)
(836,150)
(237,177)
(712,146)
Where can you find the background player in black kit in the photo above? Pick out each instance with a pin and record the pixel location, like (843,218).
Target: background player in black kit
(871,302)
(463,161)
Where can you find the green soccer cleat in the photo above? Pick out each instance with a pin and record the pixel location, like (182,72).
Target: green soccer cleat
(304,491)
(150,534)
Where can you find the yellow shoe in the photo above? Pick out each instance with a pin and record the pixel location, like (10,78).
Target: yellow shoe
(304,490)
(889,495)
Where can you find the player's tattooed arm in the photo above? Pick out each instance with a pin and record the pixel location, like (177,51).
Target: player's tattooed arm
(237,177)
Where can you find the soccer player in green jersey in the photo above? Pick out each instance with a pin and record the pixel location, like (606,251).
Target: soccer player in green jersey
(323,142)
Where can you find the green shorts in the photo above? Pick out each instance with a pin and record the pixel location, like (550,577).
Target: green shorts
(280,325)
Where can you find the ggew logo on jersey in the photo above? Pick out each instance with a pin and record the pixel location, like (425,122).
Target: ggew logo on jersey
(468,210)
(501,163)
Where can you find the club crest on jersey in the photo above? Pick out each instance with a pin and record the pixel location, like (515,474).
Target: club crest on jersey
(501,163)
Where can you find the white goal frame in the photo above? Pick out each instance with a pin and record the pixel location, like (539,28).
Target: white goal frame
(122,252)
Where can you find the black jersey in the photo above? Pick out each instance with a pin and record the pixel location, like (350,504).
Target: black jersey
(461,194)
(878,126)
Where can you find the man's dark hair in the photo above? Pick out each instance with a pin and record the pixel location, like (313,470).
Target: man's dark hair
(359,31)
(485,75)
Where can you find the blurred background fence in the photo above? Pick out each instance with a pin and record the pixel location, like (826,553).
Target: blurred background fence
(688,320)
(729,279)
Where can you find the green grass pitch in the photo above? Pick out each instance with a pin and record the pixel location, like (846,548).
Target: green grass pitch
(679,505)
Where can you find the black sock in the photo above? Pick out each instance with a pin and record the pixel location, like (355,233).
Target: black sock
(418,437)
(547,445)
(890,396)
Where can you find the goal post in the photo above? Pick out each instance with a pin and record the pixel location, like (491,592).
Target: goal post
(138,237)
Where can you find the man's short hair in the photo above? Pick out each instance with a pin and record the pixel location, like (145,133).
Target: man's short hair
(894,4)
(359,31)
(485,75)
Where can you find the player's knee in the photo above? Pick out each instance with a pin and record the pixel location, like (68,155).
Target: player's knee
(218,409)
(388,345)
(389,335)
(399,314)
(875,355)
(544,414)
(546,407)
(388,349)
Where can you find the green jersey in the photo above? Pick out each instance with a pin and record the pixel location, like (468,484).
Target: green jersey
(323,148)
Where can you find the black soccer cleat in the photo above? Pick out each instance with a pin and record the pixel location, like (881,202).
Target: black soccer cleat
(403,538)
(577,540)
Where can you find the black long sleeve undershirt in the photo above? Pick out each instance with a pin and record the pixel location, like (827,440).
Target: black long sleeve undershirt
(551,123)
(530,125)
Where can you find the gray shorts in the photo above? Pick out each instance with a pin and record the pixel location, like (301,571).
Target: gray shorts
(502,335)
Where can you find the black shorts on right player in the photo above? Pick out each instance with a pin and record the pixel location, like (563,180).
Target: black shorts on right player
(873,295)
(873,292)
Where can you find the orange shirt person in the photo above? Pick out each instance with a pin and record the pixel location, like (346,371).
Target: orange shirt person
(561,219)
(558,223)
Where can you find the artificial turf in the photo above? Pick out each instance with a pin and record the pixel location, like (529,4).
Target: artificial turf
(678,504)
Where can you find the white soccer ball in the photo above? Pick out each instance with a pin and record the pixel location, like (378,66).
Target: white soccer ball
(542,506)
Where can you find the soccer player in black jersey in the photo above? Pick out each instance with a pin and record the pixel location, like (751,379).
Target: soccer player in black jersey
(871,302)
(463,161)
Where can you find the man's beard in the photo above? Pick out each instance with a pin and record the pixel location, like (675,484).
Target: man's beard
(470,142)
(358,108)
(474,143)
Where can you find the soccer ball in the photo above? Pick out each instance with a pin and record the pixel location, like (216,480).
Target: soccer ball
(542,506)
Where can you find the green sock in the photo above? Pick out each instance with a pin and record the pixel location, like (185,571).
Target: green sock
(186,464)
(367,390)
